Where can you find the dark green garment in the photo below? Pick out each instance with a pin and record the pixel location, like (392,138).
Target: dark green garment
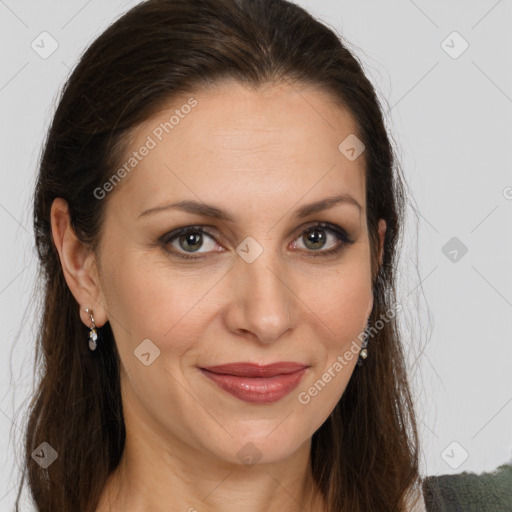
(469,492)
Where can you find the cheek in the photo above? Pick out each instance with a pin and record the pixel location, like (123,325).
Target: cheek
(147,298)
(150,300)
(341,310)
(343,302)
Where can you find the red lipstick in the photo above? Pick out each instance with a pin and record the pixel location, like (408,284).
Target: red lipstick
(256,383)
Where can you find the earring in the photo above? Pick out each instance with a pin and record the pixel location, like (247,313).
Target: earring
(93,334)
(363,354)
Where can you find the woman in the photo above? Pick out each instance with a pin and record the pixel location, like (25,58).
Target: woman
(217,218)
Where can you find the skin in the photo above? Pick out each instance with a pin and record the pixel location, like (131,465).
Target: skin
(260,155)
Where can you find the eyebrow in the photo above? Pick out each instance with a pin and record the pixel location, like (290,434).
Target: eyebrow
(207,210)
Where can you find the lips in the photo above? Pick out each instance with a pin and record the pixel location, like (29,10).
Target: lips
(256,370)
(254,383)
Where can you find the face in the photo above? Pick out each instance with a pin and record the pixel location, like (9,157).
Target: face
(268,282)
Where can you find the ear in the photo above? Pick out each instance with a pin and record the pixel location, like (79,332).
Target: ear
(382,234)
(78,265)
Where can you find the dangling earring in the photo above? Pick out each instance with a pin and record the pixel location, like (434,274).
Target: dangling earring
(93,334)
(363,354)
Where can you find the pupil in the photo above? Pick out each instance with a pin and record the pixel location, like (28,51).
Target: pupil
(316,238)
(190,238)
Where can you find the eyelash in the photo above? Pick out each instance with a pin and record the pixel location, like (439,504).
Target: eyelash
(338,232)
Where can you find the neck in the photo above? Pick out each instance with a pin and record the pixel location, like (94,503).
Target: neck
(170,476)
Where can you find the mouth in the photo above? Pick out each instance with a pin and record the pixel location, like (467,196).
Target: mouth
(255,383)
(256,370)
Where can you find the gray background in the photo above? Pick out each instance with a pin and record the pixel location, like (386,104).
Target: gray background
(450,116)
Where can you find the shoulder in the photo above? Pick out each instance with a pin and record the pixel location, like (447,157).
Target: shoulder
(468,492)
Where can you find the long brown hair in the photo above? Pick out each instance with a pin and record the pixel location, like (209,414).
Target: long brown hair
(365,455)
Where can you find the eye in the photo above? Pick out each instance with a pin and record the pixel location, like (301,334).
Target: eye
(192,238)
(187,239)
(315,238)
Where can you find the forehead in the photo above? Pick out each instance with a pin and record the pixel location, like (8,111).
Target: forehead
(279,141)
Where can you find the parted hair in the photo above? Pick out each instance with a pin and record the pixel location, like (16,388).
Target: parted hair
(364,457)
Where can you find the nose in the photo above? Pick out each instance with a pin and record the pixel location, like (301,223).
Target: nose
(263,303)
